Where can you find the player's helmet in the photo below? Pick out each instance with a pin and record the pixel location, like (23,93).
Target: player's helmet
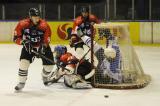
(60,49)
(85,9)
(34,12)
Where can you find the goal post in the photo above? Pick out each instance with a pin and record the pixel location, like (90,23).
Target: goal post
(118,64)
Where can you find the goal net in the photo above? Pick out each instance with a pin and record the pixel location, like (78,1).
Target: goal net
(118,65)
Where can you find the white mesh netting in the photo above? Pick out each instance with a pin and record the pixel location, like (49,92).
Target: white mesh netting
(124,71)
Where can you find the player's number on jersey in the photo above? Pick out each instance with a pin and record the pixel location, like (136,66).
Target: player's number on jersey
(36,39)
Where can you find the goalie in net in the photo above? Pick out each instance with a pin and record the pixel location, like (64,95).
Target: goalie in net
(118,66)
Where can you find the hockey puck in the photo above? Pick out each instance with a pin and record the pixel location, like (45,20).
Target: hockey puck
(106,96)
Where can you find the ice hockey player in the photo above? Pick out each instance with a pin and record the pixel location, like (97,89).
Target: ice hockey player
(34,34)
(86,20)
(78,71)
(106,66)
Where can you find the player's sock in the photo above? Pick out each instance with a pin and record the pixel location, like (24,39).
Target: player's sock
(22,79)
(22,74)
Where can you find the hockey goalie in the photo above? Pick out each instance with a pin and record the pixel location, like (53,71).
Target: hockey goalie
(77,73)
(109,59)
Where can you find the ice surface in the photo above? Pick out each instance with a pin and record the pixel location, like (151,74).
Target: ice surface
(35,93)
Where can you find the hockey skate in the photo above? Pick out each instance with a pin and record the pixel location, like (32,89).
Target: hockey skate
(19,86)
(45,80)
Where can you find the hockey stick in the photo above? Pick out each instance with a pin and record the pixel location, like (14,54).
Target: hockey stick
(81,60)
(89,75)
(52,81)
(44,57)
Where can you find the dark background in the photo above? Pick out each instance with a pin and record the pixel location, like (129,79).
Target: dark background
(67,10)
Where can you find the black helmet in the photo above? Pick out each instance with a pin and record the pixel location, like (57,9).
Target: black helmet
(34,12)
(85,9)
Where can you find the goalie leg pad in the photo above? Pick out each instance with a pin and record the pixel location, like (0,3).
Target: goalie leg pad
(81,85)
(105,66)
(76,82)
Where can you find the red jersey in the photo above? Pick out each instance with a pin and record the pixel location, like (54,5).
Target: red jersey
(69,59)
(37,34)
(80,21)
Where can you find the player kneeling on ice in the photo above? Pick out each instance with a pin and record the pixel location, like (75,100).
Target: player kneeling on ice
(76,73)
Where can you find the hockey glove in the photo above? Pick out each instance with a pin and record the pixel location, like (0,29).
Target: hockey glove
(27,45)
(80,33)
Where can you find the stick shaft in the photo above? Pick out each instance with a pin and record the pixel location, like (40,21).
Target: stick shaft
(52,61)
